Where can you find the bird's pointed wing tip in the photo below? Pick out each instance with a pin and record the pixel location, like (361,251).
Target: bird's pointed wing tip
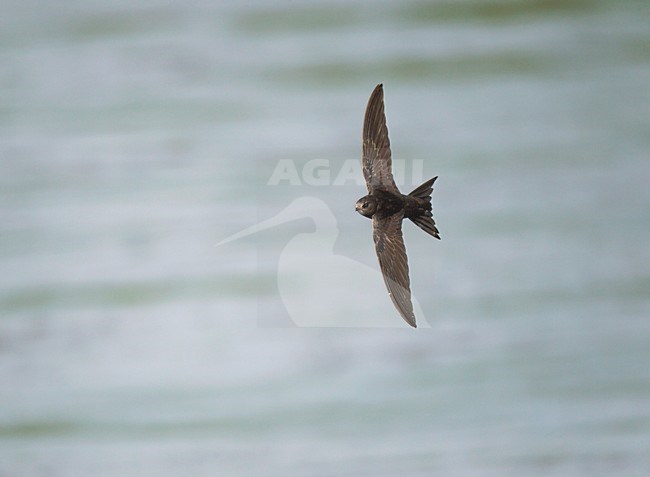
(407,315)
(411,322)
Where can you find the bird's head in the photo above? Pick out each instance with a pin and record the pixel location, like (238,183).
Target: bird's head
(366,206)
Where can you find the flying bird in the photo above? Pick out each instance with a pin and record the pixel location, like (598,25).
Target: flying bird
(388,207)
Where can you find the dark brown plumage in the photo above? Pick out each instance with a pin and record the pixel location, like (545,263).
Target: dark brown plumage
(387,206)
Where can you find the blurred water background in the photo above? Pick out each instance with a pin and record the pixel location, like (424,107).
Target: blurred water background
(134,136)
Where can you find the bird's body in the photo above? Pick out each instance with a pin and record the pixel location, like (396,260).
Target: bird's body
(387,206)
(389,203)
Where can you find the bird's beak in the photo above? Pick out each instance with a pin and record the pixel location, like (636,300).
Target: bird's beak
(265,224)
(293,212)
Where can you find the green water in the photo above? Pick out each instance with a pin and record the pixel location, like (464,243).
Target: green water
(133,138)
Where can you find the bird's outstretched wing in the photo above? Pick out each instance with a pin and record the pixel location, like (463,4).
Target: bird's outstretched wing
(377,162)
(389,244)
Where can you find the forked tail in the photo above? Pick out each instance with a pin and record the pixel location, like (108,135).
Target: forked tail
(425,220)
